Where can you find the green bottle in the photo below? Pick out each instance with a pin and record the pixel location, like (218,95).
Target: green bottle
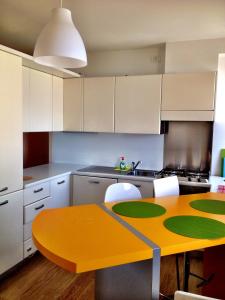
(122,163)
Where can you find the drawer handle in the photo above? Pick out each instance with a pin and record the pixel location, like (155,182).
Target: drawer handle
(39,207)
(61,182)
(138,185)
(94,181)
(29,249)
(38,191)
(4,202)
(4,189)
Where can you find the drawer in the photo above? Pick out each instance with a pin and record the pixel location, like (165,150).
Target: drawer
(31,210)
(36,192)
(145,187)
(60,191)
(27,231)
(88,189)
(28,248)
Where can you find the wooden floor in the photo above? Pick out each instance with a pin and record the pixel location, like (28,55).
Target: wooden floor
(39,279)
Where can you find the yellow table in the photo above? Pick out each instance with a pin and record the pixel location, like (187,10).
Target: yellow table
(169,242)
(92,237)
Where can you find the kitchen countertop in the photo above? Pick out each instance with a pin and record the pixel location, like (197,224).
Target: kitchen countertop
(43,173)
(111,173)
(215,181)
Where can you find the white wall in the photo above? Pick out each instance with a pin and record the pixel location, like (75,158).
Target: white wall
(219,123)
(150,60)
(105,149)
(193,56)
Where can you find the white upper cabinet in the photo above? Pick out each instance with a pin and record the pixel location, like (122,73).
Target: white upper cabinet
(40,101)
(11,141)
(137,104)
(73,104)
(99,104)
(57,103)
(188,91)
(37,100)
(26,97)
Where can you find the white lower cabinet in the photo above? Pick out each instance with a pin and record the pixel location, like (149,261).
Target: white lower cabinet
(145,187)
(60,191)
(36,192)
(11,230)
(28,248)
(51,194)
(88,189)
(32,210)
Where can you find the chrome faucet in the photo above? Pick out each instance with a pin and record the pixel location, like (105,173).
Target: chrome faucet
(135,165)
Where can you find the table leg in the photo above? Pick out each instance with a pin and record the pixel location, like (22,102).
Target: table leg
(133,281)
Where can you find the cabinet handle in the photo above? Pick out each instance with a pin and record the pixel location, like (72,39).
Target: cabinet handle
(4,202)
(39,207)
(138,185)
(4,189)
(94,181)
(29,249)
(39,190)
(61,182)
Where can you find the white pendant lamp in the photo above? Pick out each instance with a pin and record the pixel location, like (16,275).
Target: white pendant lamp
(59,43)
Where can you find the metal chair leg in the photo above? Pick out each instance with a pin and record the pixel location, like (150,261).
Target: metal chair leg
(187,273)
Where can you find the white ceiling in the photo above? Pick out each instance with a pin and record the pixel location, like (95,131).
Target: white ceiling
(115,24)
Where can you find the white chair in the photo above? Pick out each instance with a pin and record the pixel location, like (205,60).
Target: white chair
(122,191)
(168,186)
(179,295)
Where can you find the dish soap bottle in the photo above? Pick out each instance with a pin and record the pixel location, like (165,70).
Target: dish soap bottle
(122,163)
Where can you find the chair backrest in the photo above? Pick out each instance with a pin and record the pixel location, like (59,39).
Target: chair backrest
(168,186)
(180,295)
(122,191)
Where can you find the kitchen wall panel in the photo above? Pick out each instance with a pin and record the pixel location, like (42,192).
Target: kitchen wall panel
(106,148)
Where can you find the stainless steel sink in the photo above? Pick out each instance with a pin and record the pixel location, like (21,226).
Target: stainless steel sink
(144,173)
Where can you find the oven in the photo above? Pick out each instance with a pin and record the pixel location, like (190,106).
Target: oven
(193,189)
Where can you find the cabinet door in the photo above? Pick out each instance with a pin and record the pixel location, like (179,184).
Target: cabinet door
(73,104)
(99,104)
(60,191)
(40,110)
(90,189)
(11,230)
(190,91)
(57,103)
(11,155)
(145,187)
(26,99)
(137,104)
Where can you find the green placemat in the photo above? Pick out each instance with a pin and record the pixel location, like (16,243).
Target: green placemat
(209,206)
(138,209)
(195,227)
